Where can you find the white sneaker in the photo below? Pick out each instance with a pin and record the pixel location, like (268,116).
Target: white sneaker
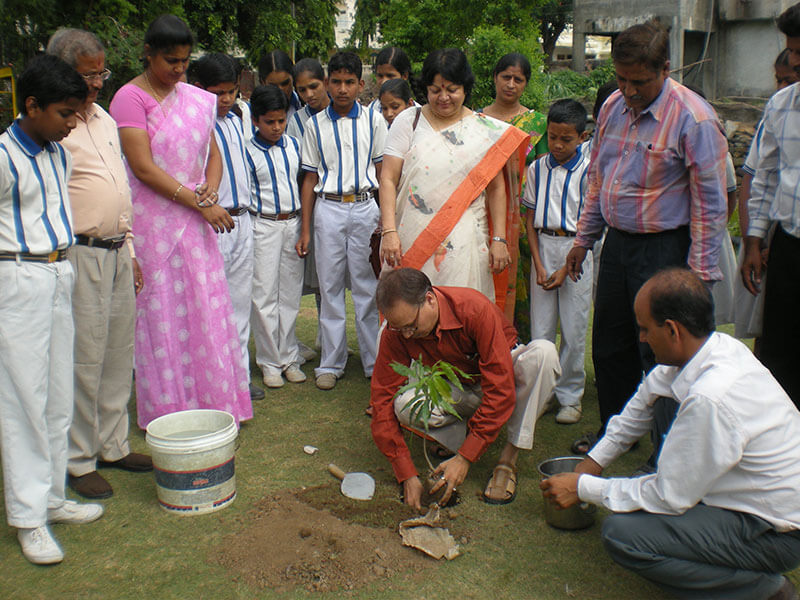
(39,546)
(75,513)
(273,381)
(306,353)
(294,374)
(326,381)
(567,415)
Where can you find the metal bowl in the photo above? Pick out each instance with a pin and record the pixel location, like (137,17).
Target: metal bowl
(577,516)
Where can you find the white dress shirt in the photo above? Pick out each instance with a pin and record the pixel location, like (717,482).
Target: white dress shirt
(733,444)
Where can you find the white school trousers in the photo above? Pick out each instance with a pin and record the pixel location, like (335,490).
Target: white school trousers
(536,371)
(277,286)
(568,305)
(104,311)
(236,248)
(36,386)
(341,237)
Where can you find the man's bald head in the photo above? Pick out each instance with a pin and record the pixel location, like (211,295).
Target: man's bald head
(681,296)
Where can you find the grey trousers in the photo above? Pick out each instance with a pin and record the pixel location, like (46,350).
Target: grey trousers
(104,309)
(706,552)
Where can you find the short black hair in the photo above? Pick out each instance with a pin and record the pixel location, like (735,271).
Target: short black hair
(392,55)
(212,69)
(679,295)
(166,32)
(452,65)
(309,65)
(49,79)
(789,21)
(406,284)
(345,61)
(396,87)
(603,92)
(568,111)
(266,98)
(782,60)
(646,43)
(513,59)
(277,60)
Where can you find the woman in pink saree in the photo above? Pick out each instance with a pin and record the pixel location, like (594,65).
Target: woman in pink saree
(186,342)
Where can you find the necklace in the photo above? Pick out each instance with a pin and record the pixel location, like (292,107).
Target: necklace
(158,98)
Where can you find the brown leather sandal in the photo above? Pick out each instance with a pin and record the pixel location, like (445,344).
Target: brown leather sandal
(501,487)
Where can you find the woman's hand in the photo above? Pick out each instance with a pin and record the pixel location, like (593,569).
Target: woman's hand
(391,250)
(499,258)
(217,217)
(205,195)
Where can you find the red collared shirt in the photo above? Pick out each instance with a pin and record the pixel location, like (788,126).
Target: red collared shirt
(473,335)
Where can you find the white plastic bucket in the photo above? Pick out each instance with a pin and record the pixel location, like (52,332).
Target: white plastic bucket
(193,460)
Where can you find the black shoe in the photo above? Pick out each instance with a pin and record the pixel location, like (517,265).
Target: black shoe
(91,486)
(256,393)
(136,463)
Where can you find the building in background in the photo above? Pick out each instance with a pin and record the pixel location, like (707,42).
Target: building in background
(725,47)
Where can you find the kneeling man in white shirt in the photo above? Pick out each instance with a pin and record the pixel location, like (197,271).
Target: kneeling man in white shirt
(720,516)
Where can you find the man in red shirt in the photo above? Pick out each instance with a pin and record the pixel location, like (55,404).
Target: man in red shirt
(510,383)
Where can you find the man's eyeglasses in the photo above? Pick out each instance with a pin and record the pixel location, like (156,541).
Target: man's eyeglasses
(408,329)
(101,76)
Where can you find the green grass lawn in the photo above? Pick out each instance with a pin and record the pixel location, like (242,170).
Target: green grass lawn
(139,551)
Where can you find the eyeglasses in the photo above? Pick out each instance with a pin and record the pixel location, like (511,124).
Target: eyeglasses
(408,329)
(101,76)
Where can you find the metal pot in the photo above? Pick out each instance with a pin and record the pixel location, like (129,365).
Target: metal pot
(577,516)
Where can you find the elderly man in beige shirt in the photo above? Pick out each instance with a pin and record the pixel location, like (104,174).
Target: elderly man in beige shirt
(106,280)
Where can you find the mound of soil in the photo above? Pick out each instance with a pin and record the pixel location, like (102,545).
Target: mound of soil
(307,538)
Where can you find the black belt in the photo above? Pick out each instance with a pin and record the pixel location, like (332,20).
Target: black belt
(54,256)
(113,244)
(557,232)
(236,212)
(347,198)
(278,217)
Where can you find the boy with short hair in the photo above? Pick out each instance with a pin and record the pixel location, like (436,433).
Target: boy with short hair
(342,151)
(36,329)
(216,73)
(274,163)
(554,197)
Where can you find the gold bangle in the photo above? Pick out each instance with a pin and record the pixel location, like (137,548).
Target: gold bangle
(385,231)
(175,195)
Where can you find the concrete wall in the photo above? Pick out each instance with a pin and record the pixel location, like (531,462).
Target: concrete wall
(743,44)
(746,53)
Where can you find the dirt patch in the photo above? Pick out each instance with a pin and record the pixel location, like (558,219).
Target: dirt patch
(316,539)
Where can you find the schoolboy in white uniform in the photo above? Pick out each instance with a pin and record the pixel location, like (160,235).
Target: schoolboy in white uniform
(274,163)
(554,197)
(342,151)
(216,73)
(36,329)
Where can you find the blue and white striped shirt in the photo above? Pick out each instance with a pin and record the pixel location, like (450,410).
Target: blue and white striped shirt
(273,175)
(234,187)
(774,194)
(343,150)
(35,214)
(297,123)
(555,192)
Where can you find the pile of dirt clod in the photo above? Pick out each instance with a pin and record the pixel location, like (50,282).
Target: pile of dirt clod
(286,542)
